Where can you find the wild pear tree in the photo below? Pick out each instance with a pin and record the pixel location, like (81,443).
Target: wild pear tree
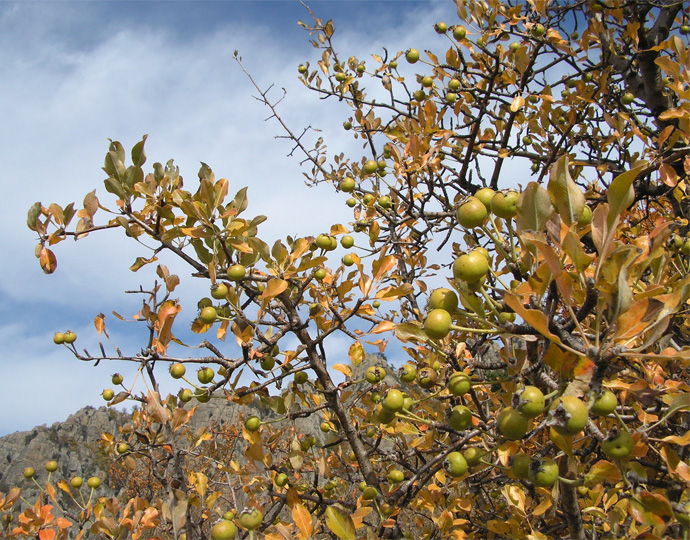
(544,393)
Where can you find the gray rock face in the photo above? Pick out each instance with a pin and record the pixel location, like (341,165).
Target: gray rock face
(74,442)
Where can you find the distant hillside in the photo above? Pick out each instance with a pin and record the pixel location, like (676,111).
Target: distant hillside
(74,442)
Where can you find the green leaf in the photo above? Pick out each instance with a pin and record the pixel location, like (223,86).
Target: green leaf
(565,193)
(407,331)
(138,154)
(621,194)
(205,173)
(340,523)
(240,202)
(32,215)
(114,187)
(534,208)
(113,165)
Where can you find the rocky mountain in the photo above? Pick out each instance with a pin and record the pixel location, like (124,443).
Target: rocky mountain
(74,442)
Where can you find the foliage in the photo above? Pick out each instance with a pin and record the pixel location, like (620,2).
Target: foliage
(586,290)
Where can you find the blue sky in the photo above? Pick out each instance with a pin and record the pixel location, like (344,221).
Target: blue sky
(73,74)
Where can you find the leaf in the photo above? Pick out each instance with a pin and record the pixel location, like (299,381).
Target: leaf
(47,261)
(138,154)
(91,203)
(155,409)
(356,353)
(534,208)
(345,370)
(408,330)
(141,261)
(303,520)
(99,323)
(340,523)
(274,287)
(535,318)
(621,194)
(517,103)
(565,193)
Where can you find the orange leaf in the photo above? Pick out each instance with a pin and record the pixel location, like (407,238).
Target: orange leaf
(303,520)
(46,534)
(99,323)
(48,261)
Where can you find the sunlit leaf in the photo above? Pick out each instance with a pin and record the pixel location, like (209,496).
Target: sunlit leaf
(340,523)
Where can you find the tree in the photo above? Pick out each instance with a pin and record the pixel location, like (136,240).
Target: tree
(545,392)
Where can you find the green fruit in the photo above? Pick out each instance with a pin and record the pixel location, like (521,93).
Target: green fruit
(340,77)
(504,204)
(485,195)
(441,27)
(29,473)
(519,465)
(369,493)
(385,202)
(223,530)
(202,395)
(445,299)
(374,374)
(347,125)
(237,272)
(419,95)
(472,213)
(325,427)
(470,267)
(412,56)
(302,69)
(323,241)
(618,445)
(185,395)
(122,448)
(395,476)
(205,375)
(219,291)
(108,394)
(460,418)
(514,46)
(511,424)
(538,30)
(472,455)
(76,482)
(459,33)
(93,482)
(604,404)
(451,97)
(586,217)
(368,199)
(281,480)
(351,202)
(568,415)
(204,302)
(348,260)
(530,402)
(58,338)
(459,383)
(384,416)
(427,82)
(117,379)
(208,315)
(394,400)
(407,373)
(320,274)
(527,140)
(437,323)
(301,377)
(685,29)
(252,424)
(543,472)
(376,304)
(177,371)
(454,84)
(347,241)
(370,167)
(426,377)
(627,98)
(51,466)
(455,464)
(251,519)
(267,363)
(69,337)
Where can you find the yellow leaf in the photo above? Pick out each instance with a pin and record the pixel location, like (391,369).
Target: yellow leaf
(303,520)
(340,523)
(517,104)
(356,353)
(345,370)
